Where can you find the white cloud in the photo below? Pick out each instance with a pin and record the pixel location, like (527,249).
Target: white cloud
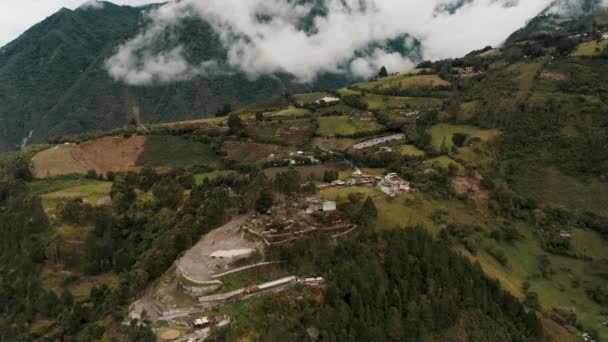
(92,4)
(266,46)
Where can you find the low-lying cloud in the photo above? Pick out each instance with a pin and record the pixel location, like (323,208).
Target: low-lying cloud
(266,36)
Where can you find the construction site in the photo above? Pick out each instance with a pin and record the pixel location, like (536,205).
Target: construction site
(229,265)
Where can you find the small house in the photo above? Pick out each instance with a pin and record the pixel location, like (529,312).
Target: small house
(202,322)
(357,173)
(316,204)
(565,233)
(338,183)
(605,35)
(469,69)
(329,206)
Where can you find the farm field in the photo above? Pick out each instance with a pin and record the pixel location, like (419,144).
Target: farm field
(289,113)
(550,187)
(411,151)
(306,98)
(592,48)
(270,104)
(284,132)
(402,82)
(348,92)
(101,155)
(56,190)
(382,102)
(306,171)
(176,152)
(409,209)
(242,152)
(444,132)
(330,126)
(339,144)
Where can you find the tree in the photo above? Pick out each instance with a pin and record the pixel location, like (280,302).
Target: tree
(544,265)
(452,169)
(168,193)
(459,138)
(227,108)
(146,178)
(383,72)
(330,176)
(235,123)
(532,301)
(368,212)
(259,116)
(264,201)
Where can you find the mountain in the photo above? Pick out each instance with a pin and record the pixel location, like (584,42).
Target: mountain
(53,80)
(471,206)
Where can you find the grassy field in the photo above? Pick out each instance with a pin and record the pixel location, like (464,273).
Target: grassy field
(346,125)
(306,171)
(265,105)
(348,92)
(549,187)
(592,48)
(176,152)
(289,113)
(467,111)
(402,82)
(292,132)
(189,123)
(411,150)
(382,102)
(241,152)
(445,161)
(410,209)
(56,190)
(490,53)
(54,278)
(57,160)
(303,99)
(339,144)
(526,75)
(560,289)
(443,131)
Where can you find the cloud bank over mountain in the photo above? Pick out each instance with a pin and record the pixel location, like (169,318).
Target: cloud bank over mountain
(306,38)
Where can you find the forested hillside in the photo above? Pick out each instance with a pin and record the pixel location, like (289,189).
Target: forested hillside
(53,80)
(463,200)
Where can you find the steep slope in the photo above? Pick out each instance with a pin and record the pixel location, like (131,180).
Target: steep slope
(45,62)
(53,80)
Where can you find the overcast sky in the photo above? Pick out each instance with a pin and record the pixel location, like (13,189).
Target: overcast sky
(16,16)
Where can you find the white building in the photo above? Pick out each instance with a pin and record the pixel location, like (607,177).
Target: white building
(328,99)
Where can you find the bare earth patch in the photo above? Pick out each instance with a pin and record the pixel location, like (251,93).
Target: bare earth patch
(471,187)
(102,155)
(555,76)
(197,263)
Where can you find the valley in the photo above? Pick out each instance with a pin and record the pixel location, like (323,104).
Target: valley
(463,200)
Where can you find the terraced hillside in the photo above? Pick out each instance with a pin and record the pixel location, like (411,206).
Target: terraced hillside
(488,205)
